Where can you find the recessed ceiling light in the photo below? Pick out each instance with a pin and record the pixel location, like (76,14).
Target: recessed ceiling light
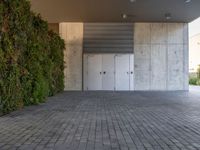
(187,1)
(127,16)
(132,1)
(168,16)
(124,16)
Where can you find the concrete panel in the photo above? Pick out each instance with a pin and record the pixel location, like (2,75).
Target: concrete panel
(73,67)
(63,31)
(186,56)
(158,67)
(142,51)
(142,33)
(72,33)
(185,33)
(142,57)
(142,64)
(161,56)
(158,33)
(142,80)
(175,67)
(158,81)
(186,67)
(175,33)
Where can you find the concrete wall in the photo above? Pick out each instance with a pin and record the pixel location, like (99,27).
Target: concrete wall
(72,33)
(161,56)
(160,51)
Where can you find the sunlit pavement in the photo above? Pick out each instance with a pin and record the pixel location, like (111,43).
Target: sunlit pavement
(194,89)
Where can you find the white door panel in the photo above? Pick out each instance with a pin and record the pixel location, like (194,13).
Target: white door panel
(85,72)
(108,72)
(122,78)
(94,72)
(131,72)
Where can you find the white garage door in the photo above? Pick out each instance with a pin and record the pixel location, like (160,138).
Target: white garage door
(108,72)
(94,72)
(122,78)
(108,78)
(131,65)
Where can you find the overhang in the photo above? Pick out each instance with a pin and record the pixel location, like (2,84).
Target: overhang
(112,10)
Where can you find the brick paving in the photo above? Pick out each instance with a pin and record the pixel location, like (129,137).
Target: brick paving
(106,121)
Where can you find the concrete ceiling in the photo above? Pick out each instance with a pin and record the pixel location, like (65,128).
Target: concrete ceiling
(111,10)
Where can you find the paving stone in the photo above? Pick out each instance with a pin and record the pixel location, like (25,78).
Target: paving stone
(106,121)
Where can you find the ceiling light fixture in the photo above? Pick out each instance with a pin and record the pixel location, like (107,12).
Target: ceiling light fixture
(187,1)
(132,1)
(124,16)
(168,16)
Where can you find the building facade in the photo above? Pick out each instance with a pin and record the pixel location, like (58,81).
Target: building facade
(159,51)
(123,45)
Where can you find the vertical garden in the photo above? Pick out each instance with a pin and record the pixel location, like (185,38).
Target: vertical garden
(31,57)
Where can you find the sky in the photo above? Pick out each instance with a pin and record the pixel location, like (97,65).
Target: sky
(194,27)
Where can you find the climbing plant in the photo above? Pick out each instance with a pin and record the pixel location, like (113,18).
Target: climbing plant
(31,57)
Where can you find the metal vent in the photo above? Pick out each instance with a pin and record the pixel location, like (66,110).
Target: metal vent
(108,38)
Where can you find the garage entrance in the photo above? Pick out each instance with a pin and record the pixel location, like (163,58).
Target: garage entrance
(108,57)
(108,72)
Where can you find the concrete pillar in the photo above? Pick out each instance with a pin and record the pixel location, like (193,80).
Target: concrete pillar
(161,56)
(175,56)
(72,33)
(158,56)
(142,53)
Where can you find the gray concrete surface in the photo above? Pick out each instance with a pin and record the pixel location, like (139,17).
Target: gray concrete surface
(161,56)
(72,33)
(106,121)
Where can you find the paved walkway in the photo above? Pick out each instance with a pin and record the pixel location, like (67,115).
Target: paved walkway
(106,121)
(194,88)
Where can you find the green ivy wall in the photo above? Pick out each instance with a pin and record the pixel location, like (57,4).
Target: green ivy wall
(31,57)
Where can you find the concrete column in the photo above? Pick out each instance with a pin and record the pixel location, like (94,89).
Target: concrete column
(186,56)
(72,33)
(158,56)
(161,56)
(142,53)
(175,56)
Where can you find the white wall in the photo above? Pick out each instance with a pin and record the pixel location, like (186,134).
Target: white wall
(161,56)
